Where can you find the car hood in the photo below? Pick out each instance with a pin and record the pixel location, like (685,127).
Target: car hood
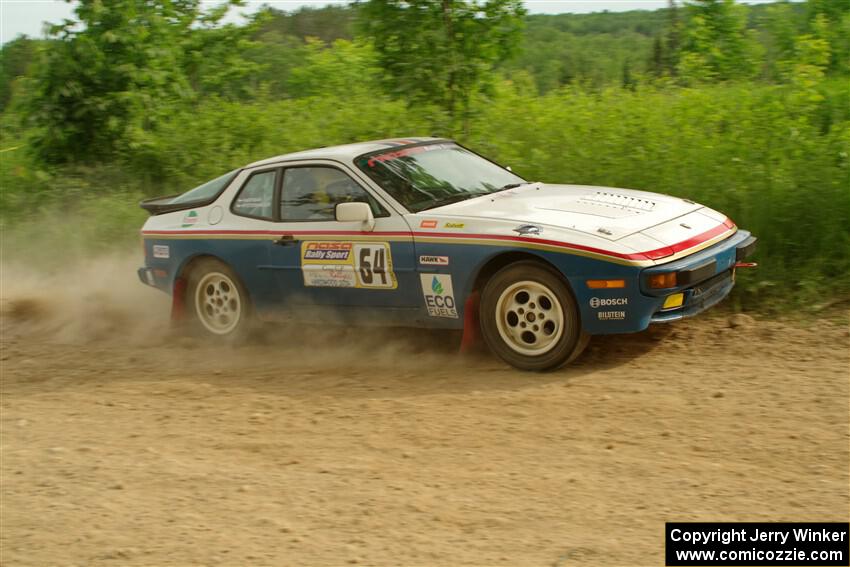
(603,212)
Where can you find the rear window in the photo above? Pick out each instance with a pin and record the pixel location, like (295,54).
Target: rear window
(206,192)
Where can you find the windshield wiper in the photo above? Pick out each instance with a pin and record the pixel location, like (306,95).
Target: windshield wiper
(512,186)
(456,198)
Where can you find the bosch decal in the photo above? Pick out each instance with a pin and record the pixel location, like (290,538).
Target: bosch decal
(428,224)
(596,302)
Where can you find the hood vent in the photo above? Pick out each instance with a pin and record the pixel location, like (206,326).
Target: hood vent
(619,202)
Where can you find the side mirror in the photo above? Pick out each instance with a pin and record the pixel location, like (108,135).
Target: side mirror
(356,212)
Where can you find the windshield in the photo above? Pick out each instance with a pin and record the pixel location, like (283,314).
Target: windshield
(433,175)
(207,191)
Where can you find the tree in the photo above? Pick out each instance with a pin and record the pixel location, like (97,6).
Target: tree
(674,38)
(107,78)
(716,44)
(16,57)
(830,19)
(656,62)
(442,51)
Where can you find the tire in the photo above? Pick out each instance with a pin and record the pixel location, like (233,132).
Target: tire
(217,301)
(529,317)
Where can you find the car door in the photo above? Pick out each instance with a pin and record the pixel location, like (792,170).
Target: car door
(319,261)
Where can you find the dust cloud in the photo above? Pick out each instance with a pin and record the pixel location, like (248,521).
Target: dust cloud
(81,300)
(96,298)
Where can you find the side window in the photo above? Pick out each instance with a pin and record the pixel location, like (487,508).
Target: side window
(256,197)
(312,193)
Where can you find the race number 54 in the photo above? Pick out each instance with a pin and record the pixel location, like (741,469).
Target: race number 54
(374,266)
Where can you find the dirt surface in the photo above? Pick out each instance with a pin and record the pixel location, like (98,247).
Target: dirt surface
(124,445)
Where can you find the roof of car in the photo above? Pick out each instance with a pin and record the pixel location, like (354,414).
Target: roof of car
(345,152)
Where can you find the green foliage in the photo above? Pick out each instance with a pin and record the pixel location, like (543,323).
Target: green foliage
(334,70)
(327,24)
(442,52)
(716,44)
(744,109)
(107,80)
(15,60)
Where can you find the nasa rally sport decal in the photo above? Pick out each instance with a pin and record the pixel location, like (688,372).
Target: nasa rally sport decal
(347,264)
(439,295)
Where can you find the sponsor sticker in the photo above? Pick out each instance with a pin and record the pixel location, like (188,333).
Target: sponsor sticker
(439,295)
(611,315)
(161,251)
(190,219)
(329,276)
(347,264)
(328,251)
(434,260)
(454,225)
(428,224)
(596,302)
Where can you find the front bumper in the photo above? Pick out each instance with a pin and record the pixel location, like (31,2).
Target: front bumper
(704,279)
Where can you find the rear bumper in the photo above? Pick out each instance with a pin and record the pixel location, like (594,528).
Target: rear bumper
(154,277)
(146,276)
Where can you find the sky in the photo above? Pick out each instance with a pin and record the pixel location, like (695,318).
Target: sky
(28,16)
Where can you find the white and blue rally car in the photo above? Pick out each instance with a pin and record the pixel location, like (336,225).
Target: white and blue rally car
(423,232)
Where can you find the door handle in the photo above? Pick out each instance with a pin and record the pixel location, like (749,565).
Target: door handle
(285,240)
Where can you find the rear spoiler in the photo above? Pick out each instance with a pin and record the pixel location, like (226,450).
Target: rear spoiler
(160,205)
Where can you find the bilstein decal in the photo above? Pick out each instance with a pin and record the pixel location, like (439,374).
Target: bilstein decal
(611,315)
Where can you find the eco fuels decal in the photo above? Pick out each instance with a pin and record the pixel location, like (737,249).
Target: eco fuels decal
(347,264)
(439,295)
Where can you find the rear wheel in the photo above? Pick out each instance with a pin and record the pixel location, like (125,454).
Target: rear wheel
(529,317)
(218,300)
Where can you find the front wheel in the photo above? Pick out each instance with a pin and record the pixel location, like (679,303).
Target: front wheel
(529,318)
(218,300)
